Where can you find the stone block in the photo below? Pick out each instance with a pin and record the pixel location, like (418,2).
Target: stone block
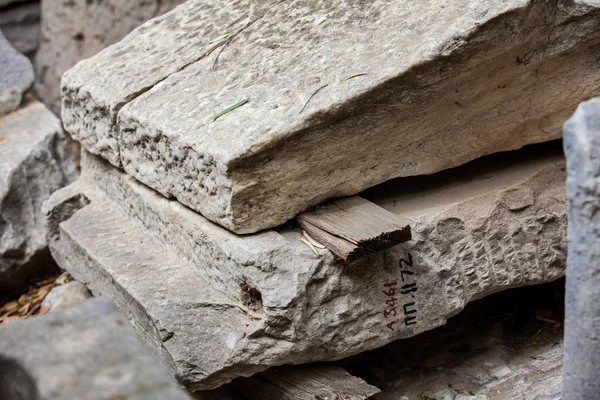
(75,30)
(33,164)
(218,305)
(16,77)
(341,96)
(87,352)
(582,302)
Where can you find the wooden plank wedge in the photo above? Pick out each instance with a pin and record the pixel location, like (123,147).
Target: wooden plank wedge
(304,382)
(353,227)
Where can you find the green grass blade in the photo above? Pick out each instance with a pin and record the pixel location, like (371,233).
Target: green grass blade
(231,108)
(357,75)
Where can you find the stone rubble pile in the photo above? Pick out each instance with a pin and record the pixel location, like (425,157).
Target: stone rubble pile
(207,129)
(33,164)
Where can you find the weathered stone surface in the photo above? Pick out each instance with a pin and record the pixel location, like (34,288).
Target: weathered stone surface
(16,76)
(220,305)
(66,295)
(493,350)
(75,30)
(33,164)
(336,103)
(582,343)
(21,26)
(479,356)
(87,352)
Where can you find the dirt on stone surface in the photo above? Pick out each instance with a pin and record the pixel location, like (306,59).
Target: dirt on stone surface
(28,302)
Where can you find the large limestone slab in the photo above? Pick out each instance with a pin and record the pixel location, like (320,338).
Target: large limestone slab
(218,305)
(74,30)
(88,351)
(342,96)
(33,164)
(16,77)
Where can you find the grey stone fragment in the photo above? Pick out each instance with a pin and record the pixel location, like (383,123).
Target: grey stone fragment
(21,27)
(16,76)
(582,342)
(90,352)
(266,299)
(66,295)
(336,103)
(75,30)
(33,164)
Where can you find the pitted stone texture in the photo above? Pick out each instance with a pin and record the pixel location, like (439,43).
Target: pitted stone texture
(336,103)
(16,77)
(266,299)
(21,26)
(582,303)
(33,164)
(88,352)
(75,30)
(493,350)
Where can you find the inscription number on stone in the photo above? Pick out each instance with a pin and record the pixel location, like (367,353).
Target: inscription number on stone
(401,292)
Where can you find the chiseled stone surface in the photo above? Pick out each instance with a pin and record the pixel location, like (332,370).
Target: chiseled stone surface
(480,359)
(493,350)
(218,305)
(16,77)
(88,351)
(33,164)
(582,303)
(74,30)
(342,95)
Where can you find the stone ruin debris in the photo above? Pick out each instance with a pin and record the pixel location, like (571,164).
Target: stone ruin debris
(210,132)
(34,162)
